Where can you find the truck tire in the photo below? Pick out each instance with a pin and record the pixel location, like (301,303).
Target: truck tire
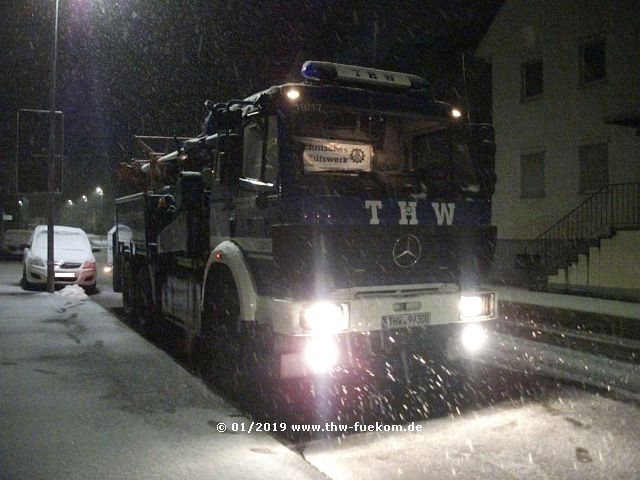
(129,296)
(221,326)
(147,311)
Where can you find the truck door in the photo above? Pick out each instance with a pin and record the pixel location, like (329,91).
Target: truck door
(258,201)
(227,167)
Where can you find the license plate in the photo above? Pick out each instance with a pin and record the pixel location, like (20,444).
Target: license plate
(65,275)
(406,320)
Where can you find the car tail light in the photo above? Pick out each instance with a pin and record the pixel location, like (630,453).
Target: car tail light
(89,265)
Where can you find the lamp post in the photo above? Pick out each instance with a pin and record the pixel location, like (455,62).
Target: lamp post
(100,193)
(20,213)
(68,214)
(83,211)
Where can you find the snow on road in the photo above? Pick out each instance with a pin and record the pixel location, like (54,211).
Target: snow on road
(575,435)
(84,397)
(518,354)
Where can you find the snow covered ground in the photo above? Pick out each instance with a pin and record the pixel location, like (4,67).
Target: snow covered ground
(575,435)
(569,302)
(518,354)
(84,397)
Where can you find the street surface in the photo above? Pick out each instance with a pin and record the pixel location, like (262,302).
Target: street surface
(86,396)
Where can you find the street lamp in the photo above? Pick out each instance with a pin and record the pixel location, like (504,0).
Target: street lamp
(84,198)
(100,193)
(70,202)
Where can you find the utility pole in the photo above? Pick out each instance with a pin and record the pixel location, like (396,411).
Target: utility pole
(51,154)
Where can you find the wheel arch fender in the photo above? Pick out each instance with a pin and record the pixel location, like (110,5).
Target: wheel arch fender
(228,254)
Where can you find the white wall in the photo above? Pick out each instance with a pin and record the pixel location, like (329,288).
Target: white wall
(567,115)
(615,264)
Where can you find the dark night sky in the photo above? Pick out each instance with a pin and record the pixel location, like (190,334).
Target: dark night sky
(145,67)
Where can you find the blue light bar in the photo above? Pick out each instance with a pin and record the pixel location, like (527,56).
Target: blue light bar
(319,71)
(350,74)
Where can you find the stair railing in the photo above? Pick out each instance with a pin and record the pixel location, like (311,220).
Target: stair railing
(613,207)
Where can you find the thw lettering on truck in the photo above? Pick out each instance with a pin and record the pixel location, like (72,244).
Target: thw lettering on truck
(408,212)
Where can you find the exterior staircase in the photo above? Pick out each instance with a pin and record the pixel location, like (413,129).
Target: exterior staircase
(571,251)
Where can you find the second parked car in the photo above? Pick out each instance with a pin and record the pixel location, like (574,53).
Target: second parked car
(13,242)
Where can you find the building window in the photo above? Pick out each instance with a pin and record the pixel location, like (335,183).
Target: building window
(532,175)
(594,167)
(593,64)
(532,85)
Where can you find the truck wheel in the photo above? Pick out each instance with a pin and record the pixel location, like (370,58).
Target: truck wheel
(147,313)
(221,322)
(129,302)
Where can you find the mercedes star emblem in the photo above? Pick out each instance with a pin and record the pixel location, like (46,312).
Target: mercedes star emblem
(407,251)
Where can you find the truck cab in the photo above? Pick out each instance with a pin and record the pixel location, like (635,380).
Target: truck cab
(346,217)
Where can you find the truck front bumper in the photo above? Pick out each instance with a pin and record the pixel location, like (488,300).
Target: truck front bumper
(373,352)
(351,327)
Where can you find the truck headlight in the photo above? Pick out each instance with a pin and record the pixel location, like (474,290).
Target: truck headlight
(323,317)
(473,306)
(473,337)
(321,353)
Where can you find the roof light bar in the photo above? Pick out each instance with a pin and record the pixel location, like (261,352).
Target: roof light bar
(340,73)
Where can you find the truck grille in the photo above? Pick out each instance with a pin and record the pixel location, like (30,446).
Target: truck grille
(345,256)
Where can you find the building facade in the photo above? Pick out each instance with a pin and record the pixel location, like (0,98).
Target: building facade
(566,111)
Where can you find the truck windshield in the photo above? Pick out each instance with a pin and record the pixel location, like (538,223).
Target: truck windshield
(399,150)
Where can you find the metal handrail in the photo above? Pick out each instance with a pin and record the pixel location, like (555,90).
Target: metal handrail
(615,206)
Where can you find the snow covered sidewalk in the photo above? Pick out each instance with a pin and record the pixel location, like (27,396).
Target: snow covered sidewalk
(577,303)
(582,364)
(537,358)
(84,397)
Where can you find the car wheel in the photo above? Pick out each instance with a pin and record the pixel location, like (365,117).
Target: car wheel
(26,284)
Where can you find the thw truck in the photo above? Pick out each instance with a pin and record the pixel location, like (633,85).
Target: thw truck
(335,224)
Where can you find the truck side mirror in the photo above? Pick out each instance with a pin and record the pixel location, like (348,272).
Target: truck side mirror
(190,191)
